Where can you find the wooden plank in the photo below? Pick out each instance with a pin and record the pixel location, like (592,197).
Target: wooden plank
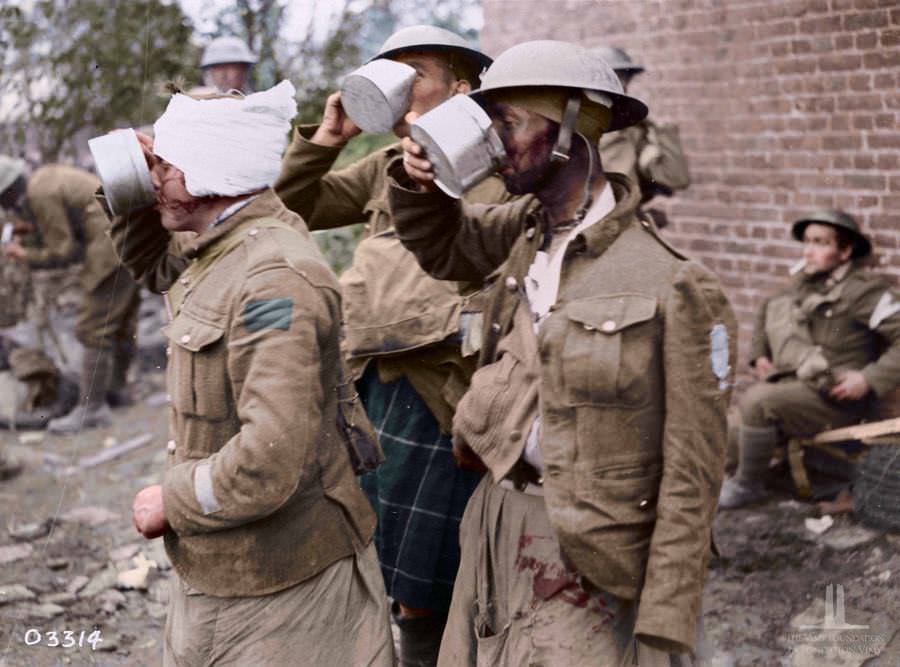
(858,432)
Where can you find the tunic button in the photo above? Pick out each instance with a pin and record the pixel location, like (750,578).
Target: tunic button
(168,350)
(253,232)
(495,327)
(185,339)
(608,326)
(515,435)
(644,504)
(645,224)
(170,446)
(828,313)
(511,284)
(589,327)
(184,281)
(529,233)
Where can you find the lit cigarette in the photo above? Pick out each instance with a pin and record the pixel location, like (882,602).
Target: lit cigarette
(797,268)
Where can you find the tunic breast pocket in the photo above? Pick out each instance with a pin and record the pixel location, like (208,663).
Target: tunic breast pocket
(608,350)
(198,374)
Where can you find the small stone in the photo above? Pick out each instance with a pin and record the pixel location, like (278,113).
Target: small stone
(818,526)
(110,601)
(77,584)
(101,581)
(109,441)
(850,537)
(15,593)
(46,610)
(137,579)
(27,532)
(884,576)
(124,552)
(62,599)
(92,516)
(57,563)
(12,553)
(31,437)
(156,551)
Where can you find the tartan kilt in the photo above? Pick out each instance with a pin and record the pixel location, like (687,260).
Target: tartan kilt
(418,493)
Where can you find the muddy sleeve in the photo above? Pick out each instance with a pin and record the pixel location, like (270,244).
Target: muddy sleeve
(452,239)
(279,379)
(59,247)
(699,349)
(878,308)
(324,199)
(146,248)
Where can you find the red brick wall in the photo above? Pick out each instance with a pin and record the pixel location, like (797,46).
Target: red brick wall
(785,106)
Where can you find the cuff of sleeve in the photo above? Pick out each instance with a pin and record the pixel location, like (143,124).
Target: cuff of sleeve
(670,631)
(407,204)
(179,501)
(880,383)
(303,137)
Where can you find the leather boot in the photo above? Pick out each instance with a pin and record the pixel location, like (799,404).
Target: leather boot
(118,395)
(420,639)
(93,413)
(748,484)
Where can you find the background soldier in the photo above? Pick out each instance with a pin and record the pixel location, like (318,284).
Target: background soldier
(599,408)
(263,518)
(649,154)
(59,201)
(825,350)
(226,65)
(403,332)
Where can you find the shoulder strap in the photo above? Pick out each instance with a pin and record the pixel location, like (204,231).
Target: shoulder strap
(201,266)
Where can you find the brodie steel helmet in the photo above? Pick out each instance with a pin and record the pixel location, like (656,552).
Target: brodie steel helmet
(835,218)
(429,38)
(618,59)
(10,170)
(224,50)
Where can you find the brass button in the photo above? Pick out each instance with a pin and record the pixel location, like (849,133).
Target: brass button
(253,232)
(828,313)
(529,233)
(511,284)
(645,224)
(495,327)
(168,350)
(185,339)
(184,281)
(644,504)
(170,446)
(608,326)
(515,435)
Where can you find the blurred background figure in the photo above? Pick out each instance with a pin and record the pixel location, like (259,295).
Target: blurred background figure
(226,65)
(649,154)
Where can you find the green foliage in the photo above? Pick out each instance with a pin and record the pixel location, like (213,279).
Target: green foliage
(77,66)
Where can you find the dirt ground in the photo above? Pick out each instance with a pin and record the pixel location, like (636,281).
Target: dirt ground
(66,535)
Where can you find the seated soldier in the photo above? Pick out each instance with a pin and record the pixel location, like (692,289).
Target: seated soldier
(825,350)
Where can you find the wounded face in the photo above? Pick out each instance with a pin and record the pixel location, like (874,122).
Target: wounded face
(528,139)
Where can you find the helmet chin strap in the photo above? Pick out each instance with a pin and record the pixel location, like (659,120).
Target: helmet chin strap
(562,148)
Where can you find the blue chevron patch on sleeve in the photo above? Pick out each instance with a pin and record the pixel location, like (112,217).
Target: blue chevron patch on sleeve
(269,314)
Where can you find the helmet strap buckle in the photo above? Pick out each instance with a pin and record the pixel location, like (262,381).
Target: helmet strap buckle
(566,128)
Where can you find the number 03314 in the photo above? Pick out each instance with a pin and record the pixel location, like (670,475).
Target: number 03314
(63,638)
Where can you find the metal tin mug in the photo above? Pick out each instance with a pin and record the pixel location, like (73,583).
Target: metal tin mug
(461,144)
(376,96)
(123,171)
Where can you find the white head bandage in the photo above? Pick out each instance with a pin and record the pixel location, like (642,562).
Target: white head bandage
(225,146)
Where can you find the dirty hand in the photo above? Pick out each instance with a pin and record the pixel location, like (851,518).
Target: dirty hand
(417,166)
(148,513)
(465,458)
(763,367)
(336,128)
(14,250)
(851,386)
